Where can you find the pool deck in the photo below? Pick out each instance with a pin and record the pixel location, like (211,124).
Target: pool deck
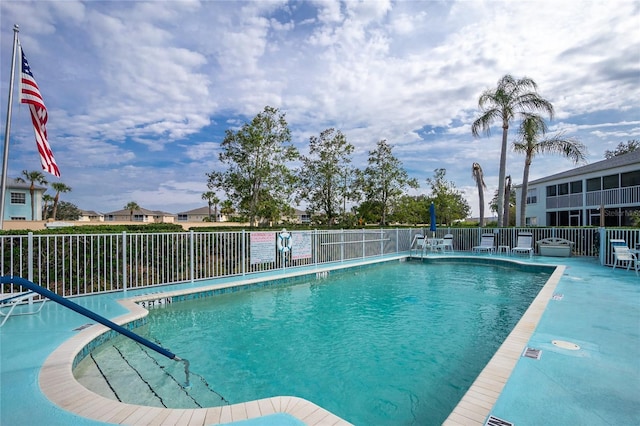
(584,304)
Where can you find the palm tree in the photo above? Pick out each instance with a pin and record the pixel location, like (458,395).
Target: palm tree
(510,98)
(132,206)
(46,199)
(531,128)
(59,187)
(478,177)
(212,200)
(32,177)
(227,208)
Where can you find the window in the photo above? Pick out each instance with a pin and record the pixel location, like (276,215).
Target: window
(18,218)
(183,217)
(18,198)
(532,196)
(576,187)
(594,184)
(531,221)
(138,218)
(610,182)
(563,189)
(551,191)
(630,178)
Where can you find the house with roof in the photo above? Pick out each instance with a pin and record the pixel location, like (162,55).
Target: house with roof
(17,201)
(90,216)
(200,214)
(580,197)
(140,215)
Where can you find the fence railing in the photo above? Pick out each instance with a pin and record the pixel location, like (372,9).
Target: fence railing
(72,265)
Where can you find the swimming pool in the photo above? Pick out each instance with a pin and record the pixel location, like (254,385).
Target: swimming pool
(391,344)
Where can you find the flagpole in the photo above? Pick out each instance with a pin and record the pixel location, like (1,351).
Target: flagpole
(7,129)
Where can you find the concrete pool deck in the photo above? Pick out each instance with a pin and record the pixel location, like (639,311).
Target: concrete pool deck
(589,305)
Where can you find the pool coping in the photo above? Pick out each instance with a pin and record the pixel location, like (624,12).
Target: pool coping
(58,384)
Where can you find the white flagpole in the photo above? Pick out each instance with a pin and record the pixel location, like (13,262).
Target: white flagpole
(7,129)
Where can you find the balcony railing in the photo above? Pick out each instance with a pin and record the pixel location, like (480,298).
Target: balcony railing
(619,197)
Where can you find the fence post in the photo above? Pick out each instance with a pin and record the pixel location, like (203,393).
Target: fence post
(30,257)
(192,260)
(603,245)
(244,253)
(124,261)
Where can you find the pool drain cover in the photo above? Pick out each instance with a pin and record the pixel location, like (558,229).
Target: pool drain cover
(565,345)
(532,353)
(495,421)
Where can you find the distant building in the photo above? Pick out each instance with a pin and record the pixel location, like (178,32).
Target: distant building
(140,215)
(90,216)
(576,197)
(17,202)
(200,214)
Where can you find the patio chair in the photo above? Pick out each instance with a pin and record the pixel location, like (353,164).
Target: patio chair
(419,243)
(445,244)
(622,253)
(11,301)
(524,244)
(487,243)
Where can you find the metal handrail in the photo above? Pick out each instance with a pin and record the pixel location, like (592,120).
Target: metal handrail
(9,279)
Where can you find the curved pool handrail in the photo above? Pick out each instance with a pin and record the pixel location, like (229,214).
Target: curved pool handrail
(10,279)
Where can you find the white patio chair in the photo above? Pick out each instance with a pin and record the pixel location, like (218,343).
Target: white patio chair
(11,301)
(419,243)
(445,244)
(524,244)
(487,243)
(622,253)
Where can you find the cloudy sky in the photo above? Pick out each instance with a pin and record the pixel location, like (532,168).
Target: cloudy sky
(139,94)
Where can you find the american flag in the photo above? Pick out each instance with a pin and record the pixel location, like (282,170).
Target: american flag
(30,94)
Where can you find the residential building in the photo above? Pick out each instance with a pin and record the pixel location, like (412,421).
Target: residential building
(200,214)
(90,216)
(17,202)
(605,193)
(140,215)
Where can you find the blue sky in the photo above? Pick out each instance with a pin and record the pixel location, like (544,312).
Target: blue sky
(139,94)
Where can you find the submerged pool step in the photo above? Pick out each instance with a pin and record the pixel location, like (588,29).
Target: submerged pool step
(125,371)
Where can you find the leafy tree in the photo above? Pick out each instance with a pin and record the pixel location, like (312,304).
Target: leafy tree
(46,200)
(532,127)
(132,206)
(58,187)
(478,177)
(324,174)
(449,202)
(212,200)
(258,178)
(226,208)
(65,211)
(368,211)
(493,205)
(411,209)
(623,148)
(384,179)
(33,178)
(510,98)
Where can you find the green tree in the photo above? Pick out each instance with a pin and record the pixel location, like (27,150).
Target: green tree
(33,178)
(511,97)
(46,201)
(478,177)
(212,201)
(65,211)
(131,206)
(324,174)
(58,187)
(411,209)
(449,202)
(493,205)
(533,127)
(258,178)
(384,179)
(368,211)
(623,148)
(226,208)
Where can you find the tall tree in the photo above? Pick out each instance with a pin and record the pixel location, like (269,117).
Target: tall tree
(58,187)
(33,178)
(258,176)
(324,173)
(532,128)
(623,148)
(478,177)
(132,206)
(226,208)
(510,98)
(449,202)
(506,205)
(384,179)
(46,200)
(212,200)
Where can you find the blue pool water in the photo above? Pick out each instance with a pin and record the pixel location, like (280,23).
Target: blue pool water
(395,344)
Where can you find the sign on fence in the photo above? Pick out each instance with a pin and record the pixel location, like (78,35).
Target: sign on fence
(262,247)
(301,245)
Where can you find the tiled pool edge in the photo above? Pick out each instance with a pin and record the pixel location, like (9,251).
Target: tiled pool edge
(475,406)
(58,384)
